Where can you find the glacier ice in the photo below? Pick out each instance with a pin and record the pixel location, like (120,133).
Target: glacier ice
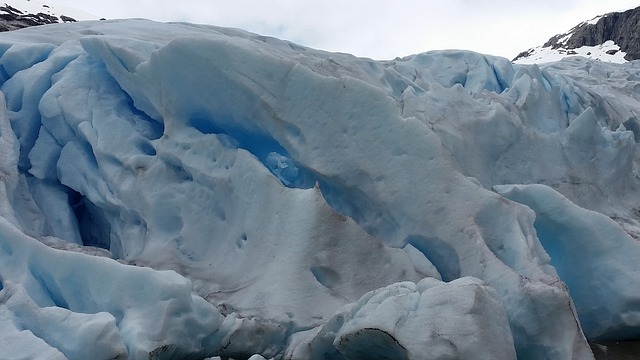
(185,190)
(96,334)
(575,238)
(109,309)
(462,319)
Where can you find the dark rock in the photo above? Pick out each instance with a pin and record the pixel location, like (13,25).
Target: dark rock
(623,28)
(523,54)
(67,19)
(11,10)
(616,350)
(13,19)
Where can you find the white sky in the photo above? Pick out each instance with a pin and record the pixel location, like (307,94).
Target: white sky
(380,29)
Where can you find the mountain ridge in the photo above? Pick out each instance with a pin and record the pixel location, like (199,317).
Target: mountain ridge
(612,37)
(620,27)
(26,13)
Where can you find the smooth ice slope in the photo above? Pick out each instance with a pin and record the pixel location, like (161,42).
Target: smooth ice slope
(289,186)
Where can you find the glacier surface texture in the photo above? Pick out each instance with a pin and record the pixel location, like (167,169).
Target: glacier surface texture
(175,191)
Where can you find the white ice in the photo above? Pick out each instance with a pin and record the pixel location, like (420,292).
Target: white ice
(463,319)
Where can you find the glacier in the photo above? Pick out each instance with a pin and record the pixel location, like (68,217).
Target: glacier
(173,191)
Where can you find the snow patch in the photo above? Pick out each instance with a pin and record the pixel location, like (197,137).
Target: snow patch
(607,52)
(36,6)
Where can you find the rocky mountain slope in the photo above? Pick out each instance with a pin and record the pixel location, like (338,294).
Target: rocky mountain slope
(614,37)
(24,13)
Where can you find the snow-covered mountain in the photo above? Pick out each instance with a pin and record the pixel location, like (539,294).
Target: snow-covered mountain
(613,37)
(173,191)
(18,14)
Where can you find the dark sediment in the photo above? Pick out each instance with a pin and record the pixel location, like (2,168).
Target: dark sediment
(616,350)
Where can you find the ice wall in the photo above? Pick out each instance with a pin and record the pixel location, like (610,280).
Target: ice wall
(290,185)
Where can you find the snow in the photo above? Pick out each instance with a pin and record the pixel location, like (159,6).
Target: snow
(595,20)
(194,191)
(607,51)
(36,6)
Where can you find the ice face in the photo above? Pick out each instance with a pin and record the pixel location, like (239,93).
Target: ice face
(69,300)
(405,320)
(55,324)
(576,238)
(263,188)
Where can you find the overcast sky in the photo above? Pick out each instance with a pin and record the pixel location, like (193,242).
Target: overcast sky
(377,29)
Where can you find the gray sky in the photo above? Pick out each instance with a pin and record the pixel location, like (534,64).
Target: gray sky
(374,28)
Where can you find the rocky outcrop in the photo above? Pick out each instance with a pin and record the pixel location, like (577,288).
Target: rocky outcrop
(12,18)
(623,28)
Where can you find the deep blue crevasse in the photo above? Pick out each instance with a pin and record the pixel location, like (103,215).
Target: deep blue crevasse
(94,229)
